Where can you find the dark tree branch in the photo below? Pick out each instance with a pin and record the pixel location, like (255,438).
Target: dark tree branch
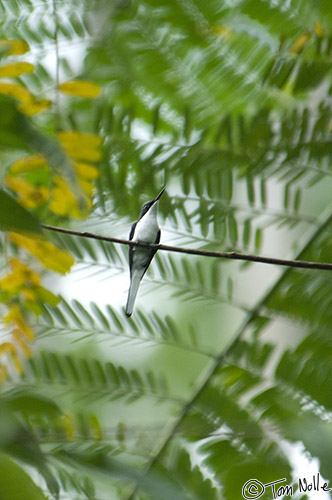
(191,251)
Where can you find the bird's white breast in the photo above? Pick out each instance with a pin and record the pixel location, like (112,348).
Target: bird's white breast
(147,227)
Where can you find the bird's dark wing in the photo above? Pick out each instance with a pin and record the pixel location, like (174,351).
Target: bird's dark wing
(157,239)
(132,230)
(131,249)
(152,253)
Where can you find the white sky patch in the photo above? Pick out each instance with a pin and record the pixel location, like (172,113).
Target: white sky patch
(305,467)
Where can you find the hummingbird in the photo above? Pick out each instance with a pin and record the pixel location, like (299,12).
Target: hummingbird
(146,230)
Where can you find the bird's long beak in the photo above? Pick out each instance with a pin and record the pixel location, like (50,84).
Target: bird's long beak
(159,195)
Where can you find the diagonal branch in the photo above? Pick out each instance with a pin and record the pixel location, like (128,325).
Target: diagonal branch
(206,253)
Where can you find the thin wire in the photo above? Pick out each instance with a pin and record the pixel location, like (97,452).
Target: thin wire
(206,253)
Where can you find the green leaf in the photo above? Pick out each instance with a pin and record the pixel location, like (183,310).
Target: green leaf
(14,217)
(15,483)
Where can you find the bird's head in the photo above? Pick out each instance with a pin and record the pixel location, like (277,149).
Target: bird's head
(147,206)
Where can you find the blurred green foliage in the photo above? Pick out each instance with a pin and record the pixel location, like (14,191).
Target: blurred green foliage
(228,366)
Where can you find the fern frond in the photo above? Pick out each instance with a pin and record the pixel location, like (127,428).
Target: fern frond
(108,326)
(93,376)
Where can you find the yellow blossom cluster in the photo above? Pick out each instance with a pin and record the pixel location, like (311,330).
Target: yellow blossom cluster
(21,291)
(82,149)
(29,104)
(49,255)
(38,188)
(57,192)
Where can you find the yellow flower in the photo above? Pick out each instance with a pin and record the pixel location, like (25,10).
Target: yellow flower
(34,106)
(3,373)
(27,164)
(49,255)
(81,146)
(64,202)
(97,432)
(30,196)
(16,69)
(29,294)
(86,170)
(16,318)
(69,426)
(8,347)
(13,46)
(80,88)
(15,90)
(26,282)
(319,29)
(300,42)
(22,275)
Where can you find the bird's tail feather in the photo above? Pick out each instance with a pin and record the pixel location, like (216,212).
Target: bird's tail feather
(133,289)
